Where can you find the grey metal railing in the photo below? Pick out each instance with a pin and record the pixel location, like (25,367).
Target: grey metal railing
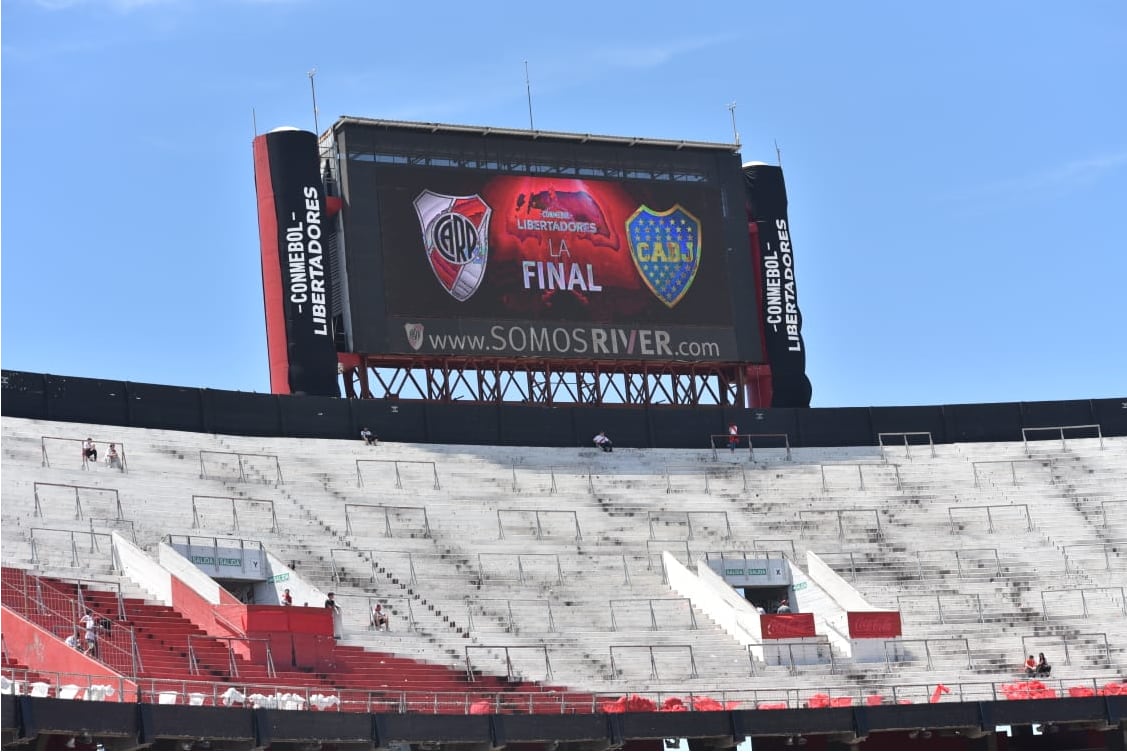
(655,625)
(396,465)
(351,510)
(39,491)
(122,465)
(244,465)
(1059,430)
(540,516)
(905,435)
(991,510)
(198,500)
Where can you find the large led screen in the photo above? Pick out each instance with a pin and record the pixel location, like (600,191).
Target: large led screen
(515,265)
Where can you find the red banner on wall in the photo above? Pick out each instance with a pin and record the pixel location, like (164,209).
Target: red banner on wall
(781,626)
(874,624)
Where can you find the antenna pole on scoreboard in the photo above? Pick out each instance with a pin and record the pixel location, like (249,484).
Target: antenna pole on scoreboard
(778,154)
(735,133)
(313,91)
(528,90)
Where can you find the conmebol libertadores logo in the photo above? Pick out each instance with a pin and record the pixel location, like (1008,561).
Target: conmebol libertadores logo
(456,239)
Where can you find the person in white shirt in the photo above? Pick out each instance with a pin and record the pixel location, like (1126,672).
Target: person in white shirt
(602,441)
(91,625)
(72,641)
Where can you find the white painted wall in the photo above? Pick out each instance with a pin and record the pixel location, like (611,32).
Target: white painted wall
(139,567)
(835,622)
(188,573)
(708,592)
(270,592)
(833,583)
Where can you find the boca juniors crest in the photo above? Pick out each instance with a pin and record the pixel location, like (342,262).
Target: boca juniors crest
(665,247)
(456,239)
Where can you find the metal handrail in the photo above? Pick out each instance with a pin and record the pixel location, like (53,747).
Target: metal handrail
(539,524)
(387,510)
(650,605)
(398,475)
(688,515)
(1048,463)
(907,445)
(38,509)
(990,514)
(350,700)
(46,460)
(241,458)
(654,673)
(1059,429)
(196,498)
(750,442)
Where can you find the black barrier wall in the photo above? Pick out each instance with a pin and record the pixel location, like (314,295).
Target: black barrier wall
(124,403)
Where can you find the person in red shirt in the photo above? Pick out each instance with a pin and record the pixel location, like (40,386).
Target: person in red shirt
(1030,666)
(733,436)
(287,599)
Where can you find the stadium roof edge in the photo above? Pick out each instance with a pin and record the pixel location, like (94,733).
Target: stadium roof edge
(534,135)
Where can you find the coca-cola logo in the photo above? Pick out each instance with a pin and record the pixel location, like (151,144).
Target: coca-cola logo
(874,624)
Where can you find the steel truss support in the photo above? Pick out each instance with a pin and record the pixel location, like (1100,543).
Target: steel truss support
(545,382)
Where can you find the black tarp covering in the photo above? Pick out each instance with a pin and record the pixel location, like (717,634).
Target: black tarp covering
(769,229)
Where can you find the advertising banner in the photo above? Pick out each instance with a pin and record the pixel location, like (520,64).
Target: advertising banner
(292,225)
(528,266)
(783,626)
(769,229)
(874,624)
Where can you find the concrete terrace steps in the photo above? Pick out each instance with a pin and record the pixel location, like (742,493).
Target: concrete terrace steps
(476,481)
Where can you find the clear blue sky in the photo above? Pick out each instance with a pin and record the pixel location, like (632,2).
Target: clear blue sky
(957,171)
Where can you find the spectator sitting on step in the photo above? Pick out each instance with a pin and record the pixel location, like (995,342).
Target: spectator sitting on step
(602,441)
(784,607)
(1043,667)
(73,640)
(89,451)
(287,599)
(1030,666)
(379,618)
(368,437)
(113,459)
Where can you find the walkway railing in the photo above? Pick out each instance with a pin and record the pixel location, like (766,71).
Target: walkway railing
(122,465)
(424,702)
(41,494)
(199,501)
(975,465)
(422,529)
(236,647)
(247,466)
(717,440)
(905,435)
(1059,430)
(686,520)
(538,518)
(59,611)
(395,465)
